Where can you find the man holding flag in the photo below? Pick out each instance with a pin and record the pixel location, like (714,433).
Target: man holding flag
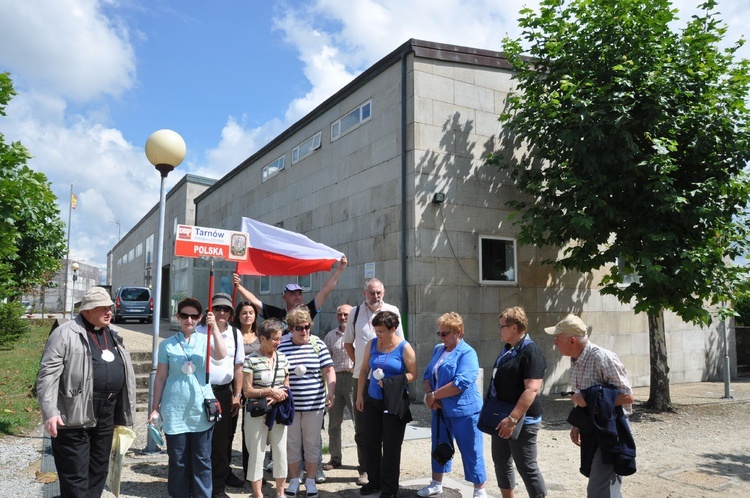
(275,251)
(292,296)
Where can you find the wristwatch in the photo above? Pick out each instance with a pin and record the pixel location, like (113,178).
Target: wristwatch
(510,417)
(238,395)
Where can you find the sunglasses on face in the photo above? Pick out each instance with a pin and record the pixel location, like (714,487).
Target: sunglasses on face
(301,328)
(185,316)
(442,334)
(222,309)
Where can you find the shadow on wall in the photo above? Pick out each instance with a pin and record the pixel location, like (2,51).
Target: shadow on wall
(447,238)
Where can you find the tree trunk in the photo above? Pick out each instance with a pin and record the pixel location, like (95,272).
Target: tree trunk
(659,391)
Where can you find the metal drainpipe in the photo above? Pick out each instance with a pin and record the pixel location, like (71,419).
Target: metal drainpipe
(404,293)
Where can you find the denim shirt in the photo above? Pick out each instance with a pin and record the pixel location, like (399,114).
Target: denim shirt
(461,368)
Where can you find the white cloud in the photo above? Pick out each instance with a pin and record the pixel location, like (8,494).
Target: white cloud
(66,48)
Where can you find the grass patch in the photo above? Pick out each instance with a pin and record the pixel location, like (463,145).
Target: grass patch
(19,365)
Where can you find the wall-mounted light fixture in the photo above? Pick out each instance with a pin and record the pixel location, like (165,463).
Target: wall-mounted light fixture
(438,198)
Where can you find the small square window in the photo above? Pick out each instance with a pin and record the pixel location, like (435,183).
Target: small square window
(497,260)
(265,285)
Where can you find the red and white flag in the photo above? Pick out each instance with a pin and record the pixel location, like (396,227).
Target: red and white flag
(275,251)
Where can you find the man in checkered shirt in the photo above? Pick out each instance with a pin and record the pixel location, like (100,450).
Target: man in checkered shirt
(592,365)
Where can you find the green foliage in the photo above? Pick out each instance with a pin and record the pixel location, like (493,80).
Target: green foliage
(741,306)
(12,324)
(33,241)
(639,137)
(19,365)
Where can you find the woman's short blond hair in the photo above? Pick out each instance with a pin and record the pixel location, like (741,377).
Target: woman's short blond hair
(452,321)
(515,316)
(297,316)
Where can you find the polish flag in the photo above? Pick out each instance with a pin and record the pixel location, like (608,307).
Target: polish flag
(275,251)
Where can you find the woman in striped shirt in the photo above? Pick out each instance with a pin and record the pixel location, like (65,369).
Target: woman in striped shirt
(266,373)
(312,381)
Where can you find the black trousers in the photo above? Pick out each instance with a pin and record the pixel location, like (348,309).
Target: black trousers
(82,455)
(221,444)
(359,431)
(384,437)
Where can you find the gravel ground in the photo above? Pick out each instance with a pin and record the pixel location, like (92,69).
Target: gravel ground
(701,450)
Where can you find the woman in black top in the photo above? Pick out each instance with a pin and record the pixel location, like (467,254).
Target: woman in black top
(517,379)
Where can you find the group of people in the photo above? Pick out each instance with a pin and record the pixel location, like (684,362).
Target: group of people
(278,380)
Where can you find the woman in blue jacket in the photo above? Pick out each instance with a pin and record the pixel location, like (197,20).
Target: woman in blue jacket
(450,386)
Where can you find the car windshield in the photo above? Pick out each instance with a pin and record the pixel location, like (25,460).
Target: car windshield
(134,295)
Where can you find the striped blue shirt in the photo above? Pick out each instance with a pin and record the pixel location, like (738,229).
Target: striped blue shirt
(308,389)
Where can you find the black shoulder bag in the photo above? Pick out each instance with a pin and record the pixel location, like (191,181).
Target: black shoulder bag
(443,451)
(258,407)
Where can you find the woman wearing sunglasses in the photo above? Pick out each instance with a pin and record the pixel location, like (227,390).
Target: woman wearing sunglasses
(179,390)
(312,381)
(450,386)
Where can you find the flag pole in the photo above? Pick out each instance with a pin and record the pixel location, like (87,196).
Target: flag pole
(234,289)
(67,257)
(208,338)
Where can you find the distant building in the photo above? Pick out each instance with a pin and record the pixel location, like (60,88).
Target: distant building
(390,171)
(54,299)
(131,261)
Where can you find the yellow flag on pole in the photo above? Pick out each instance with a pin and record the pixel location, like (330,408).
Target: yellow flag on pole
(73,200)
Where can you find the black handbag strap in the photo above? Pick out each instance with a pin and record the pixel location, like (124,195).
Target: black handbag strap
(437,431)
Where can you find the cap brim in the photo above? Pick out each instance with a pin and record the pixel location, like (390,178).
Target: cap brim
(551,330)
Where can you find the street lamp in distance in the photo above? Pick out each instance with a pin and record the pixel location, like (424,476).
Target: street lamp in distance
(165,149)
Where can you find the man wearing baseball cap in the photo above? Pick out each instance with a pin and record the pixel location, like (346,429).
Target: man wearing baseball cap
(86,386)
(292,296)
(226,383)
(592,365)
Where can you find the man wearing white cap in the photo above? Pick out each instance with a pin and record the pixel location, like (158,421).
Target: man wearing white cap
(86,386)
(292,296)
(592,365)
(226,383)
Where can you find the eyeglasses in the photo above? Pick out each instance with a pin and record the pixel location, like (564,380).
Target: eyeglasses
(443,334)
(342,314)
(221,309)
(185,316)
(300,328)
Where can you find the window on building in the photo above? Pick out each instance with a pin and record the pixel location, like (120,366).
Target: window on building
(139,250)
(272,169)
(265,285)
(351,121)
(131,255)
(629,275)
(497,260)
(306,148)
(304,282)
(149,250)
(174,226)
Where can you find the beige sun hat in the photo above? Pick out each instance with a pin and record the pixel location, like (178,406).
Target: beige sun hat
(95,297)
(571,325)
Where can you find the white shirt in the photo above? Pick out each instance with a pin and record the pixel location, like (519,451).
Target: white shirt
(361,332)
(222,371)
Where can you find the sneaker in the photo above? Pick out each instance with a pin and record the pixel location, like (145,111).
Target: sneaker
(369,489)
(434,488)
(480,493)
(362,480)
(269,466)
(291,491)
(310,489)
(320,476)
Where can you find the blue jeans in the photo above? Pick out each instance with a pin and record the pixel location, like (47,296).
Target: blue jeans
(189,464)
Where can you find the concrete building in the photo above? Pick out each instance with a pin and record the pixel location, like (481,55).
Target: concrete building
(61,297)
(131,261)
(390,170)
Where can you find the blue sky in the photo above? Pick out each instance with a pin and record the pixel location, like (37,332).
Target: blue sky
(96,77)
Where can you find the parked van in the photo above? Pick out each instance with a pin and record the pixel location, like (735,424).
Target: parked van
(134,303)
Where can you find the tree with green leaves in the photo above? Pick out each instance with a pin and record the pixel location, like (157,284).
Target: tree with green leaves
(33,236)
(636,143)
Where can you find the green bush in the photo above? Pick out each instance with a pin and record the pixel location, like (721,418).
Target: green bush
(742,307)
(12,324)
